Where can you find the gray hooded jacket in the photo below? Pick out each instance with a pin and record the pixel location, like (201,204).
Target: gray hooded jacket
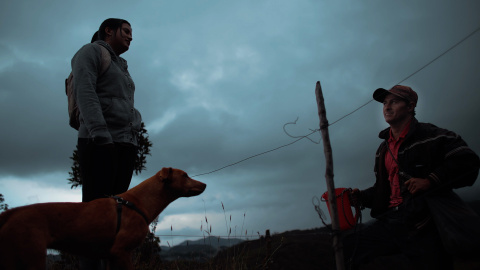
(106,103)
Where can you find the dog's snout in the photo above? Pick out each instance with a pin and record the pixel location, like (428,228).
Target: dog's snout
(200,186)
(197,188)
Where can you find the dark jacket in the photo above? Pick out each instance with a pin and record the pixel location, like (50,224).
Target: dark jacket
(427,152)
(106,103)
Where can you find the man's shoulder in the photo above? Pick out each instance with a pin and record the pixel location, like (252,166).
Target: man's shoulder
(429,128)
(427,132)
(426,125)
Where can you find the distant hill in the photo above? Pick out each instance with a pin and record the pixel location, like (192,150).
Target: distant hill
(297,249)
(201,249)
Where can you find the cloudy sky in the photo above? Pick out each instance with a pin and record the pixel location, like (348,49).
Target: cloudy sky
(216,82)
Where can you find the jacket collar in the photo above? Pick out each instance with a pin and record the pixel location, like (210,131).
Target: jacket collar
(385,134)
(106,45)
(114,56)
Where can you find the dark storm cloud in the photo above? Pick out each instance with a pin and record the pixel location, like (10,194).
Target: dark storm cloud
(33,115)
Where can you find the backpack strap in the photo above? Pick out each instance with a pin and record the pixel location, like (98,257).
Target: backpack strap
(106,60)
(73,111)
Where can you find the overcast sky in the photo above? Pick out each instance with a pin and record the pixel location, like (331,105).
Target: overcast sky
(217,80)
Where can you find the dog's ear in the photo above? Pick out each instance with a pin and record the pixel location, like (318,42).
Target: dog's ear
(166,174)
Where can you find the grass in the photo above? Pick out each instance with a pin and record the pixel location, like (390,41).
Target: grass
(146,257)
(306,249)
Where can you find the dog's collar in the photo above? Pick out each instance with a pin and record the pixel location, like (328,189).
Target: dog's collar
(120,202)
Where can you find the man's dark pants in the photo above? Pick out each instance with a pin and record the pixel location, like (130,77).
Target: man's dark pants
(389,243)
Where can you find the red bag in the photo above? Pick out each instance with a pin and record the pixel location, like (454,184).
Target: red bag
(346,218)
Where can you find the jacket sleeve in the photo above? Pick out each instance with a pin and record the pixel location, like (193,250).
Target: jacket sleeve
(459,165)
(366,197)
(86,66)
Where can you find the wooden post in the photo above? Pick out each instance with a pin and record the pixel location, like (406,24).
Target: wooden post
(322,114)
(268,240)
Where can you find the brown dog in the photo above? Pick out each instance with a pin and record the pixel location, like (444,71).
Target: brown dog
(90,229)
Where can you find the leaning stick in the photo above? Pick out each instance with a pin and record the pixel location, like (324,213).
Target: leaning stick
(322,114)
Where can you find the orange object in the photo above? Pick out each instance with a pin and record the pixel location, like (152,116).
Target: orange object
(346,219)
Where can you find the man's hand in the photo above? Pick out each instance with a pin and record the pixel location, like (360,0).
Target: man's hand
(354,200)
(415,185)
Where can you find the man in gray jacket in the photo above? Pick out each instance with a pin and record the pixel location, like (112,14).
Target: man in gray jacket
(109,122)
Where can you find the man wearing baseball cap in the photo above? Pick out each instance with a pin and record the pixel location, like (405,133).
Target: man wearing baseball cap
(414,159)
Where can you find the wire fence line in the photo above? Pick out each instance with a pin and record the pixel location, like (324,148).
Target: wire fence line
(252,236)
(256,155)
(299,138)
